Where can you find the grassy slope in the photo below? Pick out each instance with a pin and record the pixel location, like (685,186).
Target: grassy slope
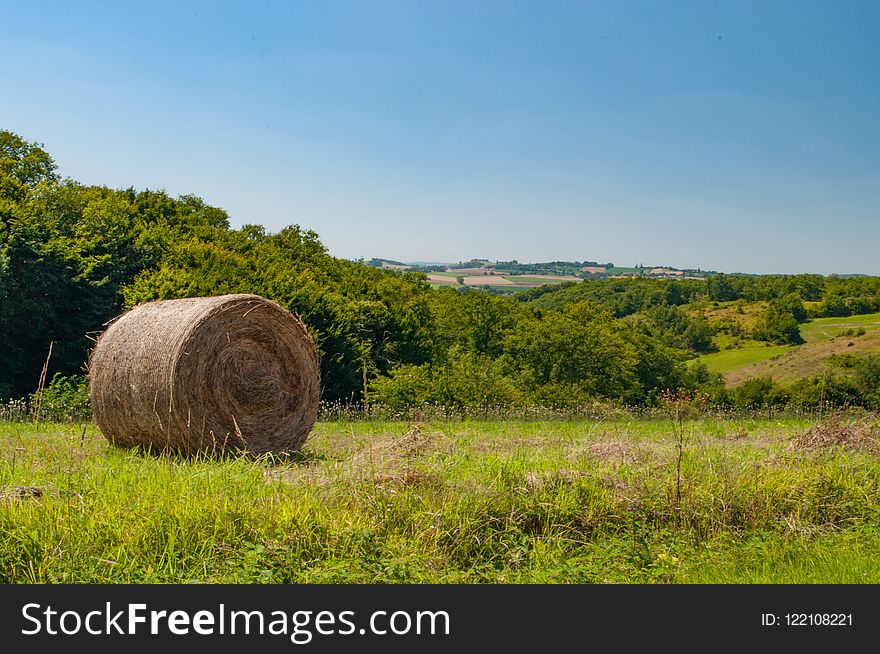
(824,337)
(455,502)
(806,360)
(827,328)
(728,361)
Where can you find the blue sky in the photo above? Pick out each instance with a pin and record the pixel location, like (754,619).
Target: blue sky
(737,136)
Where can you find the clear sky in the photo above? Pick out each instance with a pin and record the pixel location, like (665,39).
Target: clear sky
(737,136)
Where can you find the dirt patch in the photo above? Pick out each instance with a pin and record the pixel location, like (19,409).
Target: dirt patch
(804,360)
(839,433)
(441,279)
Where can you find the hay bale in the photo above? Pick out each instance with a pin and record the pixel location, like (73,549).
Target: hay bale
(206,374)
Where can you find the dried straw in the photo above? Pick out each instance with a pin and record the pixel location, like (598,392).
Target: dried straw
(206,374)
(840,432)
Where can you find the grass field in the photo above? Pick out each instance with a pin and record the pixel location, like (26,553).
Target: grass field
(823,338)
(823,329)
(461,502)
(729,360)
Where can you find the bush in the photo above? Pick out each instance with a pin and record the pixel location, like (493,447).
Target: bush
(65,399)
(867,379)
(822,391)
(758,393)
(467,382)
(777,325)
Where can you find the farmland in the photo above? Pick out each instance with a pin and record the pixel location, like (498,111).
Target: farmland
(492,279)
(500,276)
(781,500)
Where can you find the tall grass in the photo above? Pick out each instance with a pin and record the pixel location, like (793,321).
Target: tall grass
(447,501)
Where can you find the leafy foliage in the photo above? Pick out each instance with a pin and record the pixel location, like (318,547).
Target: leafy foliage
(73,256)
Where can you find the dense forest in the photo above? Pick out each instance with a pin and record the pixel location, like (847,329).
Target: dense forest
(73,256)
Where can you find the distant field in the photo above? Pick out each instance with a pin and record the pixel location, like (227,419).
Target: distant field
(444,274)
(806,360)
(467,271)
(543,279)
(826,328)
(482,280)
(730,360)
(824,337)
(519,281)
(620,270)
(441,279)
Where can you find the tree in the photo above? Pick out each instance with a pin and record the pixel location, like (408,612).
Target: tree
(584,347)
(793,303)
(721,288)
(867,379)
(23,165)
(777,325)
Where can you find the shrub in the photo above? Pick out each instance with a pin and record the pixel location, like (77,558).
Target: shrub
(777,325)
(759,392)
(65,399)
(827,390)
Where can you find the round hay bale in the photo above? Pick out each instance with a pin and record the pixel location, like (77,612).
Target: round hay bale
(206,374)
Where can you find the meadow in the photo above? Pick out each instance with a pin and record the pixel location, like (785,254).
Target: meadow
(823,338)
(736,359)
(788,499)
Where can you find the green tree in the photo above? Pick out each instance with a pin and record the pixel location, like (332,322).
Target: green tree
(778,325)
(867,379)
(584,346)
(721,288)
(23,165)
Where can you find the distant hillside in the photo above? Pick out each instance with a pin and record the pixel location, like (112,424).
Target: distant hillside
(828,343)
(528,274)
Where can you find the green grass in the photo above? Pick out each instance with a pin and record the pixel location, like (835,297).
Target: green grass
(460,502)
(729,360)
(823,329)
(816,334)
